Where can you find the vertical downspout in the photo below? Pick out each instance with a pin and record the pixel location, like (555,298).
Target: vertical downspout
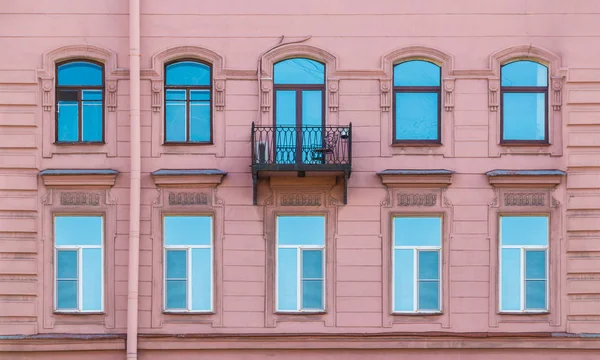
(135,172)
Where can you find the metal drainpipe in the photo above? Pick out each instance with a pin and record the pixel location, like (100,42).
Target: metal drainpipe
(135,172)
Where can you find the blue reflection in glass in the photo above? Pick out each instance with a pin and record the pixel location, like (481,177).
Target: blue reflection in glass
(403,280)
(429,295)
(312,294)
(66,264)
(524,230)
(188,73)
(187,230)
(535,264)
(524,116)
(524,73)
(312,115)
(416,73)
(285,120)
(417,231)
(176,264)
(91,118)
(91,279)
(511,280)
(301,230)
(287,279)
(79,73)
(199,116)
(176,294)
(428,265)
(176,116)
(417,116)
(66,295)
(201,279)
(68,121)
(299,71)
(312,264)
(535,294)
(78,230)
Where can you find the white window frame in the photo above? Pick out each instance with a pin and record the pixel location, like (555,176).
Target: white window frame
(188,249)
(416,250)
(522,268)
(299,250)
(79,249)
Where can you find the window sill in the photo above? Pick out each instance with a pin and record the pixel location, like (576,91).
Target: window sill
(187,143)
(416,144)
(188,312)
(69,143)
(77,312)
(525,143)
(419,313)
(527,312)
(302,312)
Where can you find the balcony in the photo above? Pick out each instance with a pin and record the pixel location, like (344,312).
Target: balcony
(301,151)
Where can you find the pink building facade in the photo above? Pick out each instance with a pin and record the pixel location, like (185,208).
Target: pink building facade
(339,179)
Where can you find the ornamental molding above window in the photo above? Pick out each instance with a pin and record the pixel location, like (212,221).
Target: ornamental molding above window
(412,178)
(96,178)
(541,179)
(188,178)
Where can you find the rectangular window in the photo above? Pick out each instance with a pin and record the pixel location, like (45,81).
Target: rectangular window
(416,264)
(300,284)
(524,263)
(79,263)
(188,259)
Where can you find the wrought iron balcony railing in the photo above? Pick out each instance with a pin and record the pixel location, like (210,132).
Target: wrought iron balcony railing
(301,149)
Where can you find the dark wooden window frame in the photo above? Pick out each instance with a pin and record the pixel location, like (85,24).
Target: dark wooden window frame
(79,90)
(418,89)
(299,88)
(523,90)
(187,104)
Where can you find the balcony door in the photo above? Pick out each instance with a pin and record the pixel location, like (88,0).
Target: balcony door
(299,88)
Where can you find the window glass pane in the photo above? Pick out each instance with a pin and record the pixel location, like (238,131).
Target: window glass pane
(417,231)
(176,294)
(92,115)
(200,95)
(429,295)
(188,73)
(428,265)
(79,73)
(287,279)
(312,115)
(535,294)
(175,95)
(92,279)
(201,279)
(301,230)
(176,120)
(299,71)
(524,116)
(416,73)
(417,116)
(524,230)
(187,230)
(78,230)
(511,280)
(312,264)
(199,121)
(66,264)
(176,264)
(66,295)
(68,121)
(404,278)
(535,264)
(312,294)
(524,73)
(285,115)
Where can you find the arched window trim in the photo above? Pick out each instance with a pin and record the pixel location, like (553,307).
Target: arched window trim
(188,88)
(156,74)
(445,145)
(47,76)
(417,88)
(80,89)
(556,73)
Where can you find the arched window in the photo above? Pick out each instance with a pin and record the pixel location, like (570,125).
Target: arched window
(80,102)
(417,102)
(524,94)
(188,87)
(299,90)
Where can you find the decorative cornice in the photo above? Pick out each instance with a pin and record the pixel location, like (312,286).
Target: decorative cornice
(61,342)
(416,178)
(188,177)
(525,178)
(79,177)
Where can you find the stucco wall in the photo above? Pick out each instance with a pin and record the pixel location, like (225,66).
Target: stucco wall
(359,35)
